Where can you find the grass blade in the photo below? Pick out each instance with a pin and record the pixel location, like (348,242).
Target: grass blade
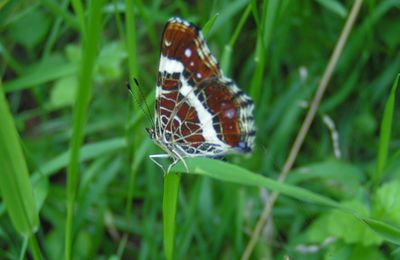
(170,198)
(15,186)
(132,140)
(388,232)
(232,173)
(90,47)
(207,27)
(384,138)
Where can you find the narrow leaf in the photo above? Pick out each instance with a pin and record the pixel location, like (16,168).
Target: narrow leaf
(170,198)
(15,186)
(384,138)
(231,173)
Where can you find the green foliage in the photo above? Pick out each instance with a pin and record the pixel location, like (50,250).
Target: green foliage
(15,187)
(64,66)
(170,198)
(387,203)
(38,23)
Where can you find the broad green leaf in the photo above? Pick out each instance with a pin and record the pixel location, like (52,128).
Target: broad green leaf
(350,229)
(390,233)
(386,203)
(109,63)
(38,23)
(63,93)
(340,250)
(366,253)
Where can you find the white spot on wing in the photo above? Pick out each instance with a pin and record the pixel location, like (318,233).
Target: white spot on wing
(198,75)
(188,52)
(229,113)
(169,65)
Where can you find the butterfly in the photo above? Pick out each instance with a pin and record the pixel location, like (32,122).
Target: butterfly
(198,111)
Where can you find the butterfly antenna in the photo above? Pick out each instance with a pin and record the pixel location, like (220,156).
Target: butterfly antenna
(146,112)
(144,101)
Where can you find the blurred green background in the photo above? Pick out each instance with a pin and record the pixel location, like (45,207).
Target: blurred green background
(64,66)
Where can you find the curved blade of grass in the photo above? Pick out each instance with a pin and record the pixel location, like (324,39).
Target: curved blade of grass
(384,137)
(170,198)
(38,77)
(90,37)
(15,186)
(232,173)
(87,152)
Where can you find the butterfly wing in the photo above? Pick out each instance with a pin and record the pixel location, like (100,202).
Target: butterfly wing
(183,43)
(229,126)
(198,110)
(185,60)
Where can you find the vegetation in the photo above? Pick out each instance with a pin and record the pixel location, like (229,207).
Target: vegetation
(75,178)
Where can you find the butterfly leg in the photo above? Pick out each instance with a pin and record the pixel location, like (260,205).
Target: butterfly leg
(153,158)
(178,158)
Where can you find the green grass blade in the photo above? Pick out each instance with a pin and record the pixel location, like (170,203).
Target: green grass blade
(388,232)
(87,152)
(232,173)
(227,53)
(384,138)
(90,51)
(15,186)
(270,10)
(335,7)
(131,39)
(61,12)
(132,140)
(37,77)
(207,27)
(170,198)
